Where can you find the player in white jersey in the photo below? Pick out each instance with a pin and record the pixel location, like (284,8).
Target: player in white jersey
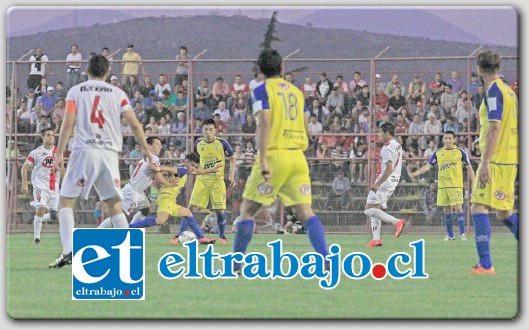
(95,108)
(134,197)
(388,176)
(45,181)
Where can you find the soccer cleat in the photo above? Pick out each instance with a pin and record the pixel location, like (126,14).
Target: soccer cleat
(175,240)
(205,240)
(375,243)
(62,260)
(36,240)
(399,226)
(223,240)
(478,269)
(448,238)
(463,237)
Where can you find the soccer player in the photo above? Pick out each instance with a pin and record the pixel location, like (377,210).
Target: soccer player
(134,197)
(211,187)
(388,176)
(496,173)
(280,168)
(45,181)
(94,107)
(167,196)
(450,161)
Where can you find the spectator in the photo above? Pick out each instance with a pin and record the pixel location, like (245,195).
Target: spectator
(58,114)
(289,76)
(37,68)
(393,84)
(139,111)
(323,88)
(455,82)
(364,96)
(48,101)
(340,156)
(341,186)
(379,84)
(131,64)
(408,118)
(41,89)
(30,98)
(396,103)
(416,91)
(474,84)
(73,64)
(241,170)
(203,93)
(179,127)
(416,127)
(168,100)
(132,86)
(105,51)
(294,225)
(315,128)
(126,133)
(136,154)
(411,163)
(401,128)
(463,111)
(335,101)
(249,127)
(514,86)
(381,98)
(147,86)
(220,92)
(432,127)
(209,224)
(198,126)
(448,98)
(437,88)
(221,126)
(429,202)
(238,85)
(451,125)
(321,112)
(240,110)
(343,88)
(431,149)
(137,97)
(162,85)
(249,153)
(224,113)
(60,91)
(309,87)
(180,103)
(152,125)
(363,120)
(182,66)
(355,85)
(479,96)
(151,100)
(358,161)
(114,82)
(257,81)
(202,111)
(172,153)
(164,130)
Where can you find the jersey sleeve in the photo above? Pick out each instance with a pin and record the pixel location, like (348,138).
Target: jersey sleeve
(261,99)
(464,158)
(31,157)
(433,159)
(195,146)
(494,103)
(181,171)
(385,154)
(155,160)
(228,150)
(124,101)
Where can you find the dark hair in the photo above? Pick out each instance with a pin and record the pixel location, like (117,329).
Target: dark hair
(193,157)
(105,48)
(208,121)
(489,61)
(98,66)
(449,86)
(183,47)
(44,130)
(150,139)
(269,62)
(451,133)
(387,127)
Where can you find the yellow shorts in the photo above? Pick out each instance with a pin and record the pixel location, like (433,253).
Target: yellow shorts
(209,191)
(449,196)
(167,203)
(290,179)
(499,194)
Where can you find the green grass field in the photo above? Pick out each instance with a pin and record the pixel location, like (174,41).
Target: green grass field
(36,292)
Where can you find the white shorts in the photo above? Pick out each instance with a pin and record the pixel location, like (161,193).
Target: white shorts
(383,193)
(92,167)
(133,200)
(45,198)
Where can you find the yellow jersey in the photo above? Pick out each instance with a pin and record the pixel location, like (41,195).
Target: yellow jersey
(500,104)
(212,153)
(287,118)
(173,192)
(450,167)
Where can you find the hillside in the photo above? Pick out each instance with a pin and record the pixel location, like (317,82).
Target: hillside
(238,37)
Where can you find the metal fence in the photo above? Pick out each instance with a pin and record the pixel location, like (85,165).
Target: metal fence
(338,215)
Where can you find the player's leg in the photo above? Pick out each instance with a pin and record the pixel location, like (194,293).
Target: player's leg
(448,219)
(117,217)
(217,195)
(509,219)
(480,218)
(160,218)
(185,213)
(66,225)
(376,199)
(315,230)
(245,227)
(37,223)
(458,212)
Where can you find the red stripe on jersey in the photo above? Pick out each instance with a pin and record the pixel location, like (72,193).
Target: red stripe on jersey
(52,172)
(31,160)
(70,106)
(124,102)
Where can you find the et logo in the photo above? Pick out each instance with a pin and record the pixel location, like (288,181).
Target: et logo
(108,264)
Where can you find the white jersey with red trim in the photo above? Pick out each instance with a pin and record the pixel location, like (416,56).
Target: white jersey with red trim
(391,152)
(142,177)
(42,175)
(97,123)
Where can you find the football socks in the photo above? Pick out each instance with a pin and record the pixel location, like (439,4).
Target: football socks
(66,224)
(316,235)
(147,222)
(194,226)
(482,230)
(448,225)
(512,223)
(243,236)
(221,221)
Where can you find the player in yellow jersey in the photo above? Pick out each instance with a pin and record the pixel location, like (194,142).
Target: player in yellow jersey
(450,161)
(280,168)
(496,173)
(167,195)
(210,188)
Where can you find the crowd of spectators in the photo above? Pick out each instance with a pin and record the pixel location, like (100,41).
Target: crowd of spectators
(341,113)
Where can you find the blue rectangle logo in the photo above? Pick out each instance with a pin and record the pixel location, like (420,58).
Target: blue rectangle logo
(108,264)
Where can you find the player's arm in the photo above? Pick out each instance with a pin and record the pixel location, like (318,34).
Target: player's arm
(114,53)
(200,171)
(158,177)
(471,174)
(64,135)
(423,169)
(24,173)
(263,134)
(137,130)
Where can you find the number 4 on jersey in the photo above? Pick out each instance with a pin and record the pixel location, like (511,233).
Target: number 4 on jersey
(97,115)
